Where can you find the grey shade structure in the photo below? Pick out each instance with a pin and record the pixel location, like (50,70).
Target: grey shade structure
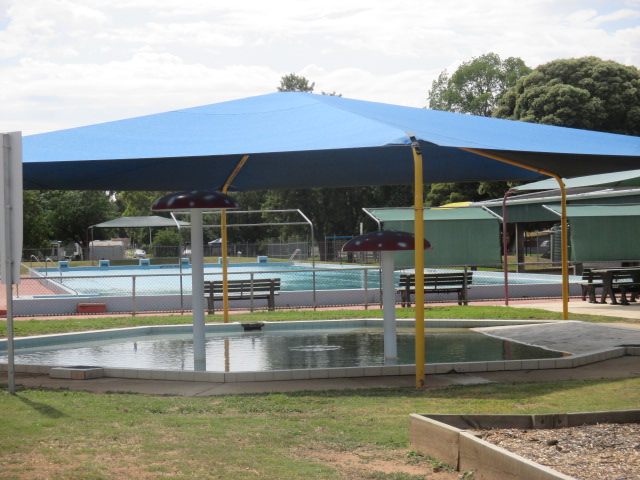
(151,221)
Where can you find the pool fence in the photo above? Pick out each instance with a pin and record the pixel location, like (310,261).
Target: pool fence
(52,293)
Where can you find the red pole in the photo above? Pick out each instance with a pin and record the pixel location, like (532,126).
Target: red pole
(505,246)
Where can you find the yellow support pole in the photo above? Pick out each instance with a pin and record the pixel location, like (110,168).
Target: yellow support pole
(418,205)
(223,226)
(563,222)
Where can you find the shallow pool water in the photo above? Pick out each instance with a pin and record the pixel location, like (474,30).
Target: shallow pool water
(168,280)
(290,349)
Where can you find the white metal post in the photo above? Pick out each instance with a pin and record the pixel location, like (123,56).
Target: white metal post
(389,307)
(11,238)
(197,289)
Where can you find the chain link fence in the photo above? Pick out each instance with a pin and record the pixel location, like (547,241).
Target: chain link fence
(56,290)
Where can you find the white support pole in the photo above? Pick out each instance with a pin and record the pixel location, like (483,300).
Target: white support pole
(11,237)
(389,308)
(197,289)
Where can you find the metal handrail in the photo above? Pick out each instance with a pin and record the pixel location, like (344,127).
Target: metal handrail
(297,251)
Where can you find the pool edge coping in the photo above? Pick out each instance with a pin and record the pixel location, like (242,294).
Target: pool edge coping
(570,361)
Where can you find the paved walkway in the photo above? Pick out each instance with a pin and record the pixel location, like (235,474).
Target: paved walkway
(631,311)
(623,367)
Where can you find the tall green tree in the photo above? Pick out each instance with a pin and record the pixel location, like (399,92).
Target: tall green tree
(587,93)
(295,83)
(36,227)
(474,88)
(476,85)
(70,213)
(137,203)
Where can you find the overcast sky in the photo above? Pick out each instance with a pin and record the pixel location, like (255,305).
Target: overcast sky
(65,63)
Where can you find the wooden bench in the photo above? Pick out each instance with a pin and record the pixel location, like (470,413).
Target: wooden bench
(590,281)
(246,289)
(457,282)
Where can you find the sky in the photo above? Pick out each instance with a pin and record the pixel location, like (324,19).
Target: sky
(67,63)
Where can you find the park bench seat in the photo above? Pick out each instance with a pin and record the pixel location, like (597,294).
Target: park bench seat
(243,289)
(457,282)
(589,283)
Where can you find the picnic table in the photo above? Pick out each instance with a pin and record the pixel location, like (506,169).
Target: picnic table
(617,279)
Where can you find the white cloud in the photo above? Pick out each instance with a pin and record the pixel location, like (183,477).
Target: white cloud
(70,62)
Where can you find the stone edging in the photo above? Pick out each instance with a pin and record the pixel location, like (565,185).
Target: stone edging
(444,437)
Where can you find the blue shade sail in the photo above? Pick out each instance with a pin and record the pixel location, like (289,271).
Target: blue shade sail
(302,140)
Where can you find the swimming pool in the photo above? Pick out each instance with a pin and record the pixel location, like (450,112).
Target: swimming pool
(162,288)
(283,346)
(167,279)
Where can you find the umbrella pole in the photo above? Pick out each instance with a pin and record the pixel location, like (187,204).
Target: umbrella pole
(419,261)
(389,308)
(565,230)
(197,289)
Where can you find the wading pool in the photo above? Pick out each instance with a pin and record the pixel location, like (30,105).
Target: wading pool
(278,346)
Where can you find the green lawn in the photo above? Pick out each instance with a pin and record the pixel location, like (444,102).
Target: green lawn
(76,435)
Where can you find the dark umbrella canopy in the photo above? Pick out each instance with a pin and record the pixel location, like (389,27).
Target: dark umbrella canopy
(383,241)
(301,140)
(195,199)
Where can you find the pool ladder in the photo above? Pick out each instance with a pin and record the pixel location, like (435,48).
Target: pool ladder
(294,254)
(46,270)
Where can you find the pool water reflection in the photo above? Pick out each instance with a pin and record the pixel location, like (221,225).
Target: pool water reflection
(280,350)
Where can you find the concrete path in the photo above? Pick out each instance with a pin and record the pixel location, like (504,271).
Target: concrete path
(568,336)
(631,311)
(623,367)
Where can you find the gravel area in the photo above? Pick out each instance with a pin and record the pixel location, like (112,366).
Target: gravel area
(605,451)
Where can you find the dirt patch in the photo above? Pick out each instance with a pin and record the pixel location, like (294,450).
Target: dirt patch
(361,463)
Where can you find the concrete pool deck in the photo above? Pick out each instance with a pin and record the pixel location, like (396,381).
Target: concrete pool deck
(617,368)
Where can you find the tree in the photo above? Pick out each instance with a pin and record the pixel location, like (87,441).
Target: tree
(476,85)
(138,203)
(36,228)
(443,193)
(587,93)
(474,88)
(294,83)
(333,211)
(70,213)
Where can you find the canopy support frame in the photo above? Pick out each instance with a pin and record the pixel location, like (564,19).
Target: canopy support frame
(223,223)
(418,200)
(563,221)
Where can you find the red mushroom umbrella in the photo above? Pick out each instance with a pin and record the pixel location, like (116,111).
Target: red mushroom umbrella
(383,241)
(386,242)
(191,199)
(195,202)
